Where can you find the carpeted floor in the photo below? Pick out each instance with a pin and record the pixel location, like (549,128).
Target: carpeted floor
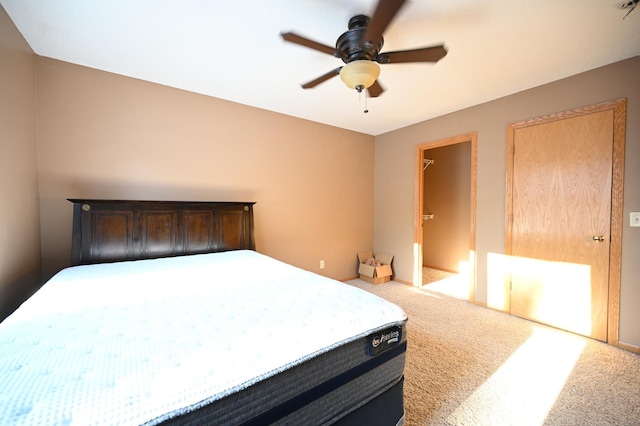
(468,365)
(431,275)
(445,282)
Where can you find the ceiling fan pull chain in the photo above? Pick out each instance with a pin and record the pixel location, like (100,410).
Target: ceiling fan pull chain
(366,96)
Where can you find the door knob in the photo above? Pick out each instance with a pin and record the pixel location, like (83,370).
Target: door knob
(598,238)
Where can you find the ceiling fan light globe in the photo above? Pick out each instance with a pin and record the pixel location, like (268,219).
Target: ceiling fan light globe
(361,73)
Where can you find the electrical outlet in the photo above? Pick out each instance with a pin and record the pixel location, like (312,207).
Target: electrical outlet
(322,264)
(634,219)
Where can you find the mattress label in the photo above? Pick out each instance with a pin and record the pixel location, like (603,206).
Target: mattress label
(383,340)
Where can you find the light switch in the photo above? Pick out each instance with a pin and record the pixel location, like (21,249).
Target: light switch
(634,219)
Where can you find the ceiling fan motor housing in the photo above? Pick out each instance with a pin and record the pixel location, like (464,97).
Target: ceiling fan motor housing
(350,41)
(359,48)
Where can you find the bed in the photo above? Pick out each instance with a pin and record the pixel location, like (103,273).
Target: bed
(179,321)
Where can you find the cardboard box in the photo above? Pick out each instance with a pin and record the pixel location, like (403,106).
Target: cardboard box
(375,274)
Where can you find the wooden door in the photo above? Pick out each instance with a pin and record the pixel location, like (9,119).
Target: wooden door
(561,224)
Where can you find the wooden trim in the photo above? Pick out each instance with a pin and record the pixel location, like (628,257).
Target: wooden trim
(508,216)
(628,347)
(619,108)
(419,200)
(473,258)
(617,197)
(418,197)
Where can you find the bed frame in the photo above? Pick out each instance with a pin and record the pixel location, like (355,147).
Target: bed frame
(116,230)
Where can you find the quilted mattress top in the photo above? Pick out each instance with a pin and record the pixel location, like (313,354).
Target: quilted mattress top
(139,342)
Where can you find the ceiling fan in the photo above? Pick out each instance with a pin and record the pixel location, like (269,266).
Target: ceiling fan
(629,5)
(359,48)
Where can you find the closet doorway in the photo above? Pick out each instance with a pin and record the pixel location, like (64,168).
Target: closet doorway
(445,220)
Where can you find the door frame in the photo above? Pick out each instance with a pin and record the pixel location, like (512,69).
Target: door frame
(419,201)
(619,108)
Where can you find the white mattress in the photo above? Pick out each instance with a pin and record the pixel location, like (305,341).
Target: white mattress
(129,342)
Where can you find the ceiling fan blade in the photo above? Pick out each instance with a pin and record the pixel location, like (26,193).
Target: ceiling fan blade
(425,54)
(322,78)
(375,90)
(303,41)
(385,11)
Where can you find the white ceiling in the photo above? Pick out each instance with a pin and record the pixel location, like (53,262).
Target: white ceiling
(232,49)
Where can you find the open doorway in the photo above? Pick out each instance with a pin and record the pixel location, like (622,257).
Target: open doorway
(445,224)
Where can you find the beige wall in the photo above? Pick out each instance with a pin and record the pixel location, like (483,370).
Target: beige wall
(106,136)
(394,174)
(19,224)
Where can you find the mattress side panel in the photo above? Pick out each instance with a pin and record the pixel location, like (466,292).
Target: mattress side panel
(251,405)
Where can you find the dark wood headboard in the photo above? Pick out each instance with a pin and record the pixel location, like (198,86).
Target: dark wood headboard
(114,230)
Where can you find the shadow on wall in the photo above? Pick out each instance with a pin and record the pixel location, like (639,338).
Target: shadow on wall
(16,291)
